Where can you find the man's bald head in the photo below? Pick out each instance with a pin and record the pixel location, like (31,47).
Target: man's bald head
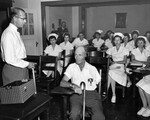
(81,49)
(80,54)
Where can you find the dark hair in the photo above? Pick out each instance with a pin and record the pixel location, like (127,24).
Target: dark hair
(15,11)
(139,39)
(134,32)
(106,34)
(52,37)
(80,33)
(94,36)
(127,34)
(66,34)
(114,39)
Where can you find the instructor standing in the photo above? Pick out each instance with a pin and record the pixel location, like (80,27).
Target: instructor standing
(13,49)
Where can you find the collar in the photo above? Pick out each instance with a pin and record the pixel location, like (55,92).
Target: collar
(85,65)
(98,39)
(13,26)
(66,43)
(120,48)
(139,50)
(82,39)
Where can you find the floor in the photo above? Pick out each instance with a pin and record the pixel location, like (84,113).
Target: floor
(124,109)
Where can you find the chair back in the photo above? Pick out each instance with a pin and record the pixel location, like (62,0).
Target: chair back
(92,55)
(95,54)
(63,54)
(98,61)
(67,58)
(35,59)
(102,64)
(47,64)
(90,48)
(45,60)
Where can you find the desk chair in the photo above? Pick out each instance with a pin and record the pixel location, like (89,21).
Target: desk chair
(64,57)
(102,64)
(44,83)
(90,48)
(95,54)
(98,59)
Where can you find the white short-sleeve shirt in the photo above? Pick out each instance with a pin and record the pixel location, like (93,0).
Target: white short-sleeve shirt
(132,44)
(128,46)
(98,43)
(117,55)
(77,42)
(108,43)
(53,52)
(74,73)
(68,46)
(140,56)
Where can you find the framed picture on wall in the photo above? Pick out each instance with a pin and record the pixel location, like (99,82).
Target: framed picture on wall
(120,21)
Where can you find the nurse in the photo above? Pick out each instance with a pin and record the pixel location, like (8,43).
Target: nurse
(53,50)
(97,41)
(67,47)
(80,40)
(144,91)
(119,54)
(140,54)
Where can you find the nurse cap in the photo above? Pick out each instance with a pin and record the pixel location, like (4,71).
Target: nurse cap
(99,31)
(143,38)
(52,34)
(135,31)
(119,34)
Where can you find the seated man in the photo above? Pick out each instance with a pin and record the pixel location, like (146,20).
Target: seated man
(78,72)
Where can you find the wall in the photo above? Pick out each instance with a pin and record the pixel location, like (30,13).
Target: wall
(55,13)
(75,21)
(138,17)
(20,3)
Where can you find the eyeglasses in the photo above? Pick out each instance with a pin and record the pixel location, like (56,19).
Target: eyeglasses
(21,17)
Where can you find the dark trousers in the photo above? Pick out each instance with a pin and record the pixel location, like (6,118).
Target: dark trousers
(11,73)
(92,100)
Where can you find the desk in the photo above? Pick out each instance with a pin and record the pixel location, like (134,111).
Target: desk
(65,93)
(135,76)
(144,72)
(33,107)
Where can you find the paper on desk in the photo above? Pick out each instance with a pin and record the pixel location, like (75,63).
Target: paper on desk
(136,64)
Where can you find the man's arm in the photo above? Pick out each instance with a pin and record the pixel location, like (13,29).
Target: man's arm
(64,83)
